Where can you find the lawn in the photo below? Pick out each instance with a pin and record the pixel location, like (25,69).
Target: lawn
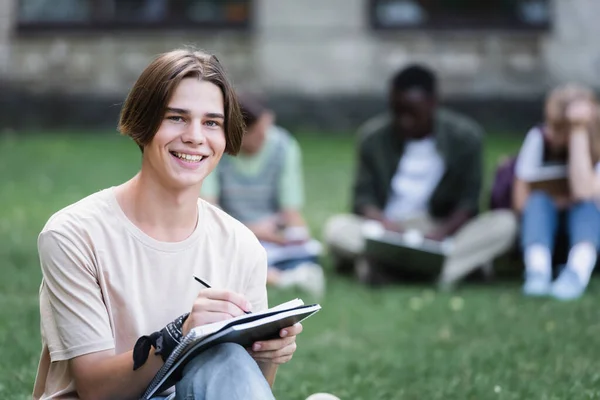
(406,342)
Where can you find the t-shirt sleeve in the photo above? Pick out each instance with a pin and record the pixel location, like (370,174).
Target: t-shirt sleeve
(291,184)
(529,166)
(73,313)
(256,287)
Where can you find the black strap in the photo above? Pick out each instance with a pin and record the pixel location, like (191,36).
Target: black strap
(164,341)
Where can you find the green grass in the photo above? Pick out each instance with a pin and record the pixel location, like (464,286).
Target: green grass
(406,342)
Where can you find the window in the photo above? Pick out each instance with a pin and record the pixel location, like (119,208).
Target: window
(133,14)
(460,14)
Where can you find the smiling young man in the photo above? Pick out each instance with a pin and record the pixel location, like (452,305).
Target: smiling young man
(118,265)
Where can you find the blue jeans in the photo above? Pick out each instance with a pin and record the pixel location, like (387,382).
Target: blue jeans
(291,264)
(225,371)
(541,217)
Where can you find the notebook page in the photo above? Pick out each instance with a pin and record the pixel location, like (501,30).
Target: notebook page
(205,330)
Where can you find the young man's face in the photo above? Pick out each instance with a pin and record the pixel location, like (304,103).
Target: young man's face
(412,111)
(191,138)
(255,135)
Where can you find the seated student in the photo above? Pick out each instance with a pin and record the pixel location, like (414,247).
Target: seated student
(263,188)
(119,264)
(557,180)
(419,167)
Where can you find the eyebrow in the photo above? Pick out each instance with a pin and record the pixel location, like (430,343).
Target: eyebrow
(215,115)
(183,111)
(178,110)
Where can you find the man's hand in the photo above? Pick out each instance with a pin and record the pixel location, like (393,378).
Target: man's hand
(277,351)
(562,202)
(268,231)
(213,305)
(296,234)
(581,113)
(392,226)
(438,235)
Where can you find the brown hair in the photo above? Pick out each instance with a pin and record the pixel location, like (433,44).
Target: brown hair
(557,102)
(145,106)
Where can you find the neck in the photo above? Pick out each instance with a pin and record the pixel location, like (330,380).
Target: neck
(162,213)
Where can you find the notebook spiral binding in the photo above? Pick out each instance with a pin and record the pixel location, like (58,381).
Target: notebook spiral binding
(167,365)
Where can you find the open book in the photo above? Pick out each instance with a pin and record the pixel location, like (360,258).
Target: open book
(244,330)
(409,250)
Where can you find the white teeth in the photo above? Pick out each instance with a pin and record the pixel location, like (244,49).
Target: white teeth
(187,157)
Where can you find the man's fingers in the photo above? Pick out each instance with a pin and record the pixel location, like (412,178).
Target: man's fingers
(286,351)
(220,306)
(275,344)
(293,330)
(227,295)
(281,355)
(207,317)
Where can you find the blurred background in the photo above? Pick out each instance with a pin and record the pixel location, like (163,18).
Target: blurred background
(66,66)
(328,59)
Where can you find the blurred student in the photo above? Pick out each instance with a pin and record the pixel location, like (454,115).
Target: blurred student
(419,168)
(263,188)
(556,185)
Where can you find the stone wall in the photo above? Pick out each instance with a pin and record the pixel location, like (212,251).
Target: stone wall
(314,50)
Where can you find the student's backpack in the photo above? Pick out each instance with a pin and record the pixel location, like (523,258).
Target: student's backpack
(502,186)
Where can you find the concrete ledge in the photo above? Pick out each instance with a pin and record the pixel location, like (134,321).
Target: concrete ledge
(26,111)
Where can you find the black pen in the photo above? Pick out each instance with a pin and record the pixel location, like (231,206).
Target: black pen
(208,286)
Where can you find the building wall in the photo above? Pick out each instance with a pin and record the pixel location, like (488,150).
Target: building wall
(317,47)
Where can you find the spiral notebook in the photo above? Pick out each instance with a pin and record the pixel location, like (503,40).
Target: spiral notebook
(244,330)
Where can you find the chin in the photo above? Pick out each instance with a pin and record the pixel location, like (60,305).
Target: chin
(184,182)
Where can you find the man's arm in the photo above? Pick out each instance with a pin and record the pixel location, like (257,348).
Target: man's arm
(104,375)
(584,183)
(267,231)
(471,189)
(270,354)
(291,187)
(292,218)
(79,330)
(258,296)
(521,191)
(269,370)
(457,219)
(364,197)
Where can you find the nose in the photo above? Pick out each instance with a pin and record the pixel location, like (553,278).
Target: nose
(195,133)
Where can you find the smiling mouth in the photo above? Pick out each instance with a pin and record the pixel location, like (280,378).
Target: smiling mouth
(191,158)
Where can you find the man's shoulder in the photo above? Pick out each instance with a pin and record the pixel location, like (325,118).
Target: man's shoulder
(279,134)
(80,216)
(374,128)
(226,227)
(459,126)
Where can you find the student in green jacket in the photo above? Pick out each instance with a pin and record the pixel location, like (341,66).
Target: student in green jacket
(419,171)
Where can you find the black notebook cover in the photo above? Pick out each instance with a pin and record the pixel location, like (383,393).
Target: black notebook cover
(245,332)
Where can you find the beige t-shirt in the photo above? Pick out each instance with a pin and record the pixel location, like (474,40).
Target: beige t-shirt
(106,283)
